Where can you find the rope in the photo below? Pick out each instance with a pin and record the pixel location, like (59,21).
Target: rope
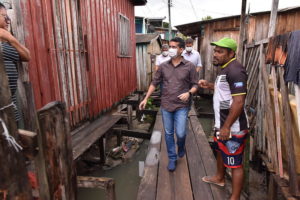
(11,140)
(9,105)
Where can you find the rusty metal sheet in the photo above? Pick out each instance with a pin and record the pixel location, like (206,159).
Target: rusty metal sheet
(74,47)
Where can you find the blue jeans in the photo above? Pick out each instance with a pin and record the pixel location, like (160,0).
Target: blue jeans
(175,122)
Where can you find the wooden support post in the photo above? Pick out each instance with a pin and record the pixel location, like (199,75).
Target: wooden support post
(293,182)
(102,150)
(129,113)
(242,31)
(13,175)
(272,188)
(110,191)
(119,138)
(55,167)
(273,18)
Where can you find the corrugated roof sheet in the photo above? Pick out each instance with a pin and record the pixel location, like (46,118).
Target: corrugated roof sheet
(146,38)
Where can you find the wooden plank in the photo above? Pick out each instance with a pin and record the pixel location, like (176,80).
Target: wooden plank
(55,166)
(242,36)
(192,111)
(133,133)
(173,185)
(201,190)
(108,184)
(93,182)
(148,185)
(277,120)
(85,138)
(293,182)
(272,148)
(210,163)
(297,93)
(165,185)
(13,182)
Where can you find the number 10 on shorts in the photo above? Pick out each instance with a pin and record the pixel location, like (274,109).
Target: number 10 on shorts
(230,160)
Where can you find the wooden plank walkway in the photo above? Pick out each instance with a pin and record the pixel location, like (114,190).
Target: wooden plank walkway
(85,138)
(185,182)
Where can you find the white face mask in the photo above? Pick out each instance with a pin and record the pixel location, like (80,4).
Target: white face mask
(165,53)
(189,49)
(173,53)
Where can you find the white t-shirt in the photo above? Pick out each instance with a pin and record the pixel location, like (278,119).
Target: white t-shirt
(193,57)
(160,59)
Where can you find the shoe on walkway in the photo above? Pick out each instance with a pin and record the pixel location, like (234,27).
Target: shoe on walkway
(181,152)
(207,179)
(172,165)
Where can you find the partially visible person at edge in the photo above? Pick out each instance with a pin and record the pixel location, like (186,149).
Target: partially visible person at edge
(191,54)
(180,81)
(231,124)
(13,52)
(163,57)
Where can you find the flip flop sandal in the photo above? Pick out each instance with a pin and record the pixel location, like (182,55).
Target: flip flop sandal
(205,179)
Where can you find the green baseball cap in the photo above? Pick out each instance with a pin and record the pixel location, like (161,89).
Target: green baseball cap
(227,43)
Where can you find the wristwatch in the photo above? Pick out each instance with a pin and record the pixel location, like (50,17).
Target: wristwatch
(190,93)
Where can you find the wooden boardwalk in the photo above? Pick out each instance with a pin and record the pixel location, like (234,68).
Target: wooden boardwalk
(185,183)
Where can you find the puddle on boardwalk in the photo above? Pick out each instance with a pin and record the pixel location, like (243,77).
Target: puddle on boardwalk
(126,177)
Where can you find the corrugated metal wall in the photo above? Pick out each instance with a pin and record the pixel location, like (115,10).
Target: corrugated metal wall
(141,66)
(74,48)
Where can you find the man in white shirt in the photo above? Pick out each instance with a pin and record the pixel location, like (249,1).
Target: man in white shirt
(192,55)
(163,57)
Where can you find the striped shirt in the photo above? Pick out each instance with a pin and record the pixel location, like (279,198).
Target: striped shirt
(11,57)
(231,81)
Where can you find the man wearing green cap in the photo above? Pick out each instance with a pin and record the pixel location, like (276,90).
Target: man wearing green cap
(231,124)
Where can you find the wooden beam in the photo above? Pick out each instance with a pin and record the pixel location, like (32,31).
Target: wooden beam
(273,18)
(13,182)
(108,184)
(133,133)
(85,138)
(264,41)
(242,35)
(55,166)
